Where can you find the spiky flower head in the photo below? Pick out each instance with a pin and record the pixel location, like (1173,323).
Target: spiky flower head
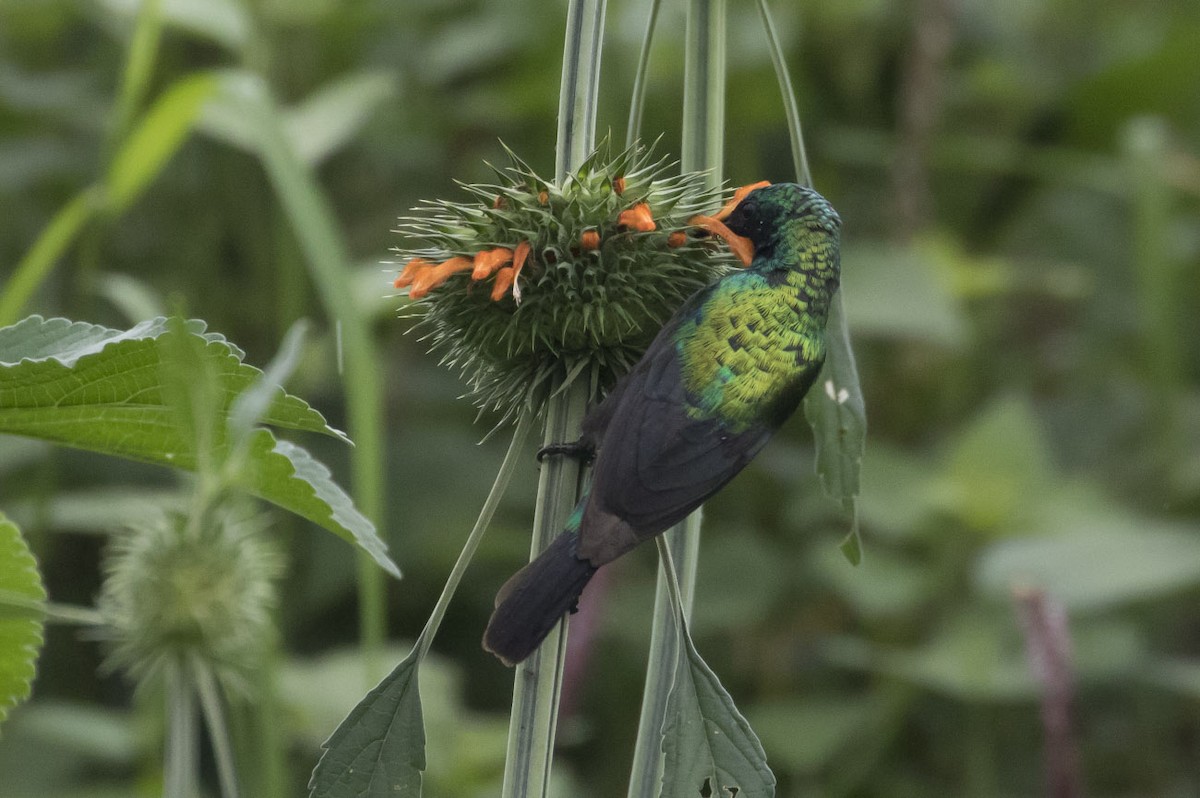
(535,284)
(176,591)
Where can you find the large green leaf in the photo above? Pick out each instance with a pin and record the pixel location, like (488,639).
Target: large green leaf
(96,388)
(1000,471)
(1094,556)
(20,631)
(709,748)
(899,292)
(378,751)
(105,390)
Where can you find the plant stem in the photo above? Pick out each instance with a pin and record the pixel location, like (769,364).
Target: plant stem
(503,477)
(139,69)
(848,418)
(790,109)
(218,730)
(701,149)
(38,262)
(539,678)
(1158,287)
(681,545)
(538,682)
(638,102)
(577,98)
(702,145)
(182,750)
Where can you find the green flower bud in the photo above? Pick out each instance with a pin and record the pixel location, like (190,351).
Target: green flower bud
(537,284)
(176,592)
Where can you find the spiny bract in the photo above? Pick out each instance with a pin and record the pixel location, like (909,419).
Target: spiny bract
(608,259)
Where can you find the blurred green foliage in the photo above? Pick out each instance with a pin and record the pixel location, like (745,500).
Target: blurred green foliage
(1028,354)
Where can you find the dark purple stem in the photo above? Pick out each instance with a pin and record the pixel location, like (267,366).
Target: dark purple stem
(1048,649)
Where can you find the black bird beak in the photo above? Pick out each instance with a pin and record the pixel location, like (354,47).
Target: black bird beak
(739,245)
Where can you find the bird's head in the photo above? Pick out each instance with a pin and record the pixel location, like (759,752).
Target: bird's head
(768,214)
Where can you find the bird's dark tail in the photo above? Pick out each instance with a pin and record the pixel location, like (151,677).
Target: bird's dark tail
(531,602)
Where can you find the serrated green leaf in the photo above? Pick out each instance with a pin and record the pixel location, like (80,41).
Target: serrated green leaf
(20,634)
(378,751)
(290,477)
(709,748)
(253,403)
(93,388)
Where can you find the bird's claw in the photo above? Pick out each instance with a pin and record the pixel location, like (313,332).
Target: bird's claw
(582,452)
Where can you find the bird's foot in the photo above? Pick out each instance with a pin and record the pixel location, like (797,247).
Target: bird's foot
(582,452)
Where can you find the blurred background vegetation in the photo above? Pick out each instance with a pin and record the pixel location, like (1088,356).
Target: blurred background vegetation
(1020,185)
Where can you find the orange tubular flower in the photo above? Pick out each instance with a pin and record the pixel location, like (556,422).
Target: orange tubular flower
(543,197)
(431,278)
(489,260)
(677,239)
(590,240)
(518,262)
(504,281)
(520,255)
(638,218)
(619,185)
(411,269)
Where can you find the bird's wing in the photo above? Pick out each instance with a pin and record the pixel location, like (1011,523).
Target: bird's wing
(657,462)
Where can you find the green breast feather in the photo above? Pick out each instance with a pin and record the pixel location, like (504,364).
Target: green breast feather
(746,346)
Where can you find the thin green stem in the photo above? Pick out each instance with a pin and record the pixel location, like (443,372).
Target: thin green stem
(791,110)
(182,751)
(638,102)
(1158,286)
(538,684)
(702,149)
(578,97)
(270,745)
(703,135)
(38,262)
(847,418)
(538,681)
(218,730)
(139,68)
(683,547)
(499,486)
(675,592)
(13,603)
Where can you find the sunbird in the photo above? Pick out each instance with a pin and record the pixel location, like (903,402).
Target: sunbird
(717,381)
